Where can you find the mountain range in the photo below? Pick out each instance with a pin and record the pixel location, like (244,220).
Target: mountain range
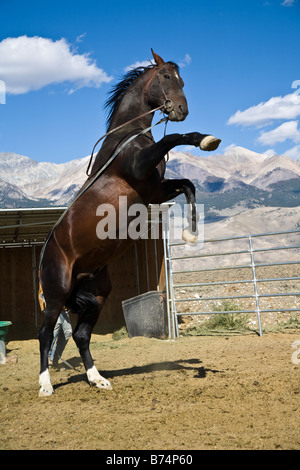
(227,184)
(24,182)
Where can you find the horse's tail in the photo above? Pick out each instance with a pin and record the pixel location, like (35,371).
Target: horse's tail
(41,298)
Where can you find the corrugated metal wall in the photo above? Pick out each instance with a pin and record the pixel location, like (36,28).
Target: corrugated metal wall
(139,270)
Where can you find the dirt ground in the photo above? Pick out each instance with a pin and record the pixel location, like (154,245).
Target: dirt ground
(220,392)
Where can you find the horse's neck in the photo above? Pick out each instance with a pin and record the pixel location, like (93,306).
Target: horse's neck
(133,105)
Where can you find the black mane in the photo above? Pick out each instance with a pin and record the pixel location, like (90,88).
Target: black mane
(118,91)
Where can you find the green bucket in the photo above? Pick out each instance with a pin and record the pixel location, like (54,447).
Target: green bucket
(4,325)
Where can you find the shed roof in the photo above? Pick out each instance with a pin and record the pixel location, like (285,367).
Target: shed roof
(23,227)
(20,227)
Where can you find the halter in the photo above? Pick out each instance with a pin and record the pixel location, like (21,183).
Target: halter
(167,108)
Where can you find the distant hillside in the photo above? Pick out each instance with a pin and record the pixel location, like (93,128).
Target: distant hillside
(37,183)
(227,185)
(239,179)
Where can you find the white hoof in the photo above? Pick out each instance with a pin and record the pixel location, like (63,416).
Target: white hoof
(209,143)
(46,389)
(189,237)
(103,383)
(96,379)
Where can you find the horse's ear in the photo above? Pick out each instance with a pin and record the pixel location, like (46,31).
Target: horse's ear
(158,60)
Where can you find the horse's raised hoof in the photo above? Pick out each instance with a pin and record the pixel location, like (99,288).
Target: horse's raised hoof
(189,238)
(209,143)
(46,389)
(96,379)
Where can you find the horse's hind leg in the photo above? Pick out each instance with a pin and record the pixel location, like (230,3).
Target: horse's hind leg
(55,290)
(45,339)
(88,301)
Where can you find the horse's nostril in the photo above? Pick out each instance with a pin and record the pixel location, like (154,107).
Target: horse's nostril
(183,109)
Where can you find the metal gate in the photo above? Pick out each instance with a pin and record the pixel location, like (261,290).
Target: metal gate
(251,258)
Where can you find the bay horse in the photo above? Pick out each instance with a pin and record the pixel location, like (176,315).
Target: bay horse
(73,263)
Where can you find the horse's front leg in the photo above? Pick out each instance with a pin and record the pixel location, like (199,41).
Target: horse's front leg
(169,189)
(88,307)
(146,159)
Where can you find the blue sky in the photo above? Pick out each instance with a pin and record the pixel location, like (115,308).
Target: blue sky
(239,60)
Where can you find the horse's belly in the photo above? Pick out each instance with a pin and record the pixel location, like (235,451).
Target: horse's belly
(102,224)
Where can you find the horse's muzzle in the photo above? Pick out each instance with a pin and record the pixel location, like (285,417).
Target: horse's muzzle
(178,113)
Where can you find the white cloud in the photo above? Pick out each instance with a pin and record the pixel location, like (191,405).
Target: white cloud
(288,3)
(144,63)
(287,130)
(186,61)
(270,153)
(30,63)
(229,147)
(293,153)
(81,37)
(278,107)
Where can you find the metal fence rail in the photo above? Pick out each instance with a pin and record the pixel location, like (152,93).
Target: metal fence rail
(182,257)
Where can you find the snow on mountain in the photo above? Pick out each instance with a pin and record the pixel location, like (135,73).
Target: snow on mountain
(22,178)
(43,180)
(237,165)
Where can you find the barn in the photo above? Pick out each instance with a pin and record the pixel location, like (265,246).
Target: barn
(22,233)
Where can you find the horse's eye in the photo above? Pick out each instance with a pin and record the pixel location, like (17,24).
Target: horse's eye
(167,76)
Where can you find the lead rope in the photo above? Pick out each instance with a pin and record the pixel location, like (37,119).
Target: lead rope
(110,160)
(95,177)
(165,132)
(168,107)
(118,128)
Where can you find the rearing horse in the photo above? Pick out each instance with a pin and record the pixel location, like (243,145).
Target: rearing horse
(73,264)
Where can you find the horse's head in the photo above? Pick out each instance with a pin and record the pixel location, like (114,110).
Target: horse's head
(166,87)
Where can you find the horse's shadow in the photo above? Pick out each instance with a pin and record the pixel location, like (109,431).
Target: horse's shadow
(200,372)
(179,365)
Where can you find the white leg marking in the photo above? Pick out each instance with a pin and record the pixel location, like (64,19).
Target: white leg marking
(96,379)
(188,237)
(46,388)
